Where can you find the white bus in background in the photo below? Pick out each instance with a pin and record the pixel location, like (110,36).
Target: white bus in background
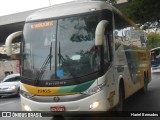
(155,59)
(76,57)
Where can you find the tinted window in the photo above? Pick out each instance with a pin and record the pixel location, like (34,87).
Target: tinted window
(9,80)
(127,34)
(13,79)
(17,78)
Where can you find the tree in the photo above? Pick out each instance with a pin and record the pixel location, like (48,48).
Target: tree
(143,10)
(153,40)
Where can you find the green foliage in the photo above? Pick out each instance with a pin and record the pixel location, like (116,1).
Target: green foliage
(153,40)
(142,11)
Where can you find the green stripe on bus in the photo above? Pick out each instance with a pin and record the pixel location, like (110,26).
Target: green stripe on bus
(75,88)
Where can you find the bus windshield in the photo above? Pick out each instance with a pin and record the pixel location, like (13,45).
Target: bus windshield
(69,43)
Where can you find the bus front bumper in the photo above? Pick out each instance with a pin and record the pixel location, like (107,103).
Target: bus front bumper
(95,102)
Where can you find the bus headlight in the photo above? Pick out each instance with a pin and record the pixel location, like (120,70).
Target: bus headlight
(94,105)
(94,90)
(26,108)
(26,94)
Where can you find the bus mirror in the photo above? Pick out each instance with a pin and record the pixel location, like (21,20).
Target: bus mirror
(8,43)
(99,34)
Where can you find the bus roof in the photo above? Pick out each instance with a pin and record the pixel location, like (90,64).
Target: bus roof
(155,48)
(70,8)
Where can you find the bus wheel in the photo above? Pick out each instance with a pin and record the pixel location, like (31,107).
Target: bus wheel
(145,87)
(120,105)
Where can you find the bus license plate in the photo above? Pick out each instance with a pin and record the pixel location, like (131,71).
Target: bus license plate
(57,108)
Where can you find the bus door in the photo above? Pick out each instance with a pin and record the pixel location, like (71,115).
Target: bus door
(108,68)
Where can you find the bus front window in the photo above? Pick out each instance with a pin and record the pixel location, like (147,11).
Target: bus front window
(77,55)
(70,44)
(38,37)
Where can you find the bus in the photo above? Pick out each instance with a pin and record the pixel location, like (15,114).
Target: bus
(80,56)
(155,59)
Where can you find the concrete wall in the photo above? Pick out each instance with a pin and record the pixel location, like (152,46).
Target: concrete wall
(8,66)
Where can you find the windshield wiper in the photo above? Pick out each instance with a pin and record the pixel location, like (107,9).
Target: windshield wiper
(61,58)
(50,54)
(44,65)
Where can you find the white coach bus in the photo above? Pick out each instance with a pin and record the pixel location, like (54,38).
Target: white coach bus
(80,56)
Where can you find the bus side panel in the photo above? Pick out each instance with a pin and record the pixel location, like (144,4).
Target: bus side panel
(124,65)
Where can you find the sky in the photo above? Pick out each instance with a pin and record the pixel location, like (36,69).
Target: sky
(15,6)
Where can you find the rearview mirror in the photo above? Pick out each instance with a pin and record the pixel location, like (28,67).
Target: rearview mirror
(99,34)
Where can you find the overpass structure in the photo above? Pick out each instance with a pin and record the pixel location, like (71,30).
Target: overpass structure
(12,23)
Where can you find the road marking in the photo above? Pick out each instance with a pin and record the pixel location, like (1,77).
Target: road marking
(6,103)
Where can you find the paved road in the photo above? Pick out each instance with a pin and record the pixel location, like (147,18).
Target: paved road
(149,101)
(10,103)
(138,102)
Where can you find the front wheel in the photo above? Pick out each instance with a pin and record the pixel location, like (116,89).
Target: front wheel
(120,106)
